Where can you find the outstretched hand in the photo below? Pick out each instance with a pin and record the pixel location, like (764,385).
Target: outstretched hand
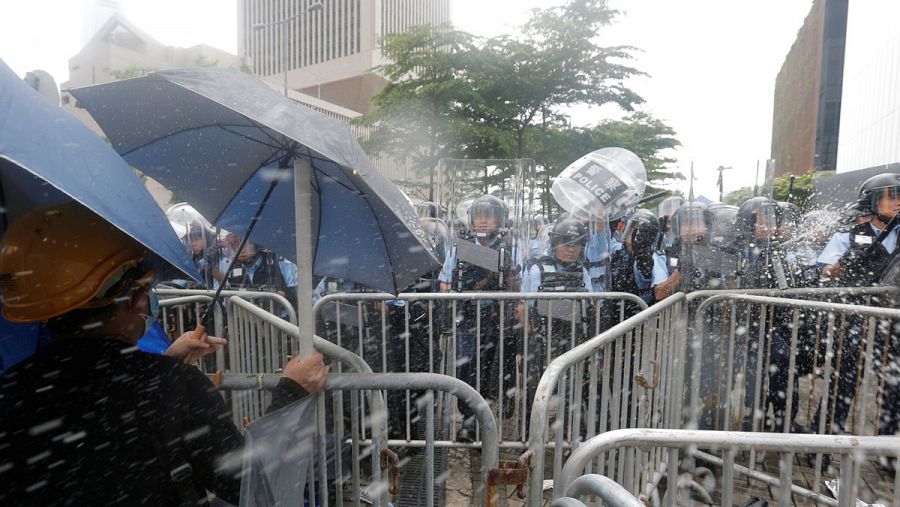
(190,349)
(309,372)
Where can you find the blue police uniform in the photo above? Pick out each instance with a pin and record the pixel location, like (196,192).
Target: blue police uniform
(840,242)
(845,386)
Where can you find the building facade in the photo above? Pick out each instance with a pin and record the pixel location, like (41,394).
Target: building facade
(808,93)
(330,46)
(870,112)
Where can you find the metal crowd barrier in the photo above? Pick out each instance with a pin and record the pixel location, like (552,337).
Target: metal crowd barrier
(367,382)
(367,427)
(421,332)
(630,375)
(835,340)
(180,314)
(673,445)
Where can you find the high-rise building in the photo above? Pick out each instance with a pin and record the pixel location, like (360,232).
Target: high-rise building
(808,90)
(332,45)
(870,111)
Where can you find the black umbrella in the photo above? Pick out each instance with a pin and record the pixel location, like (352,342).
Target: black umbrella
(223,140)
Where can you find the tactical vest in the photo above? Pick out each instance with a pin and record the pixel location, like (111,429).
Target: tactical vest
(267,277)
(556,279)
(470,278)
(862,235)
(761,273)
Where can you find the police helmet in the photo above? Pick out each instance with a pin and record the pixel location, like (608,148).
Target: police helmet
(568,231)
(438,235)
(427,209)
(644,225)
(721,226)
(669,206)
(757,220)
(691,222)
(490,207)
(790,213)
(873,189)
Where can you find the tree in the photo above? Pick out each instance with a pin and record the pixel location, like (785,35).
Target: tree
(801,193)
(648,137)
(555,62)
(420,115)
(451,94)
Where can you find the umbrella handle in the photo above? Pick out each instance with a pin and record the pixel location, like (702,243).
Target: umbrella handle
(199,331)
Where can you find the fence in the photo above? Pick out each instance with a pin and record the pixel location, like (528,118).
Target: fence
(642,352)
(672,444)
(476,336)
(426,382)
(759,344)
(696,360)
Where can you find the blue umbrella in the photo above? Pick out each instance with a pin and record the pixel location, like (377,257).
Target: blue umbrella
(231,146)
(47,156)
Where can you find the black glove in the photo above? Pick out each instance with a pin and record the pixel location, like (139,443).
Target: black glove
(864,264)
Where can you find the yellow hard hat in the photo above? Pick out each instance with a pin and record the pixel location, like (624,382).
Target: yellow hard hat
(59,258)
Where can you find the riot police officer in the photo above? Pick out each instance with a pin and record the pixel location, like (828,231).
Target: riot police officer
(664,213)
(259,269)
(855,257)
(691,263)
(760,224)
(861,256)
(764,264)
(632,265)
(552,326)
(479,262)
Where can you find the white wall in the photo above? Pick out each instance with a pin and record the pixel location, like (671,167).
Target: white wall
(870,108)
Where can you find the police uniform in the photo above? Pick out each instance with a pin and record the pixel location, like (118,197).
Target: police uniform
(465,277)
(861,236)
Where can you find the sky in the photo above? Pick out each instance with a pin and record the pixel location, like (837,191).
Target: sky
(711,64)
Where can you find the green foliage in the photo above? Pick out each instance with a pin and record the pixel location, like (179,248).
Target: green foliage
(737,197)
(454,95)
(420,114)
(800,194)
(648,137)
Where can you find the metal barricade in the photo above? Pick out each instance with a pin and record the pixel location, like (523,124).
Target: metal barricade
(367,427)
(380,454)
(274,303)
(746,362)
(425,332)
(627,376)
(180,314)
(683,447)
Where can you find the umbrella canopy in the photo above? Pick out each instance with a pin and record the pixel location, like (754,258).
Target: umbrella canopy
(47,156)
(218,137)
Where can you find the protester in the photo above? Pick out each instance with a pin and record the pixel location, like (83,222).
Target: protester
(90,420)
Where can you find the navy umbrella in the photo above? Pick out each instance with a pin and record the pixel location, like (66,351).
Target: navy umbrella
(47,156)
(226,143)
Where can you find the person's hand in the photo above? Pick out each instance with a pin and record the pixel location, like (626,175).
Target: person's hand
(309,372)
(190,349)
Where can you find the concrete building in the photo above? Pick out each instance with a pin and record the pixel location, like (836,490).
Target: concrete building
(870,111)
(332,45)
(808,91)
(120,50)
